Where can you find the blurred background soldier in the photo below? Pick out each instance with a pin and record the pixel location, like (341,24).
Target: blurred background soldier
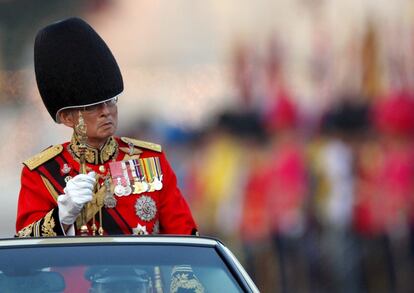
(98,182)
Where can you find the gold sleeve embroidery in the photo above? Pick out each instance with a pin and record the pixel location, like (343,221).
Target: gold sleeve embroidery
(26,231)
(45,225)
(48,225)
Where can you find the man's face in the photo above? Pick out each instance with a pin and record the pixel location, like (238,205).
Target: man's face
(101,121)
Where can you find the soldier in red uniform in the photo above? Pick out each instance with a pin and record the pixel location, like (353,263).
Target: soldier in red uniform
(108,184)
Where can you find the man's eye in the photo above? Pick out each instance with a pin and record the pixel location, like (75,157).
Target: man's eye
(90,108)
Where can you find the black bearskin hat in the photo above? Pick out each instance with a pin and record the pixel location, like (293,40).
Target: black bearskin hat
(74,67)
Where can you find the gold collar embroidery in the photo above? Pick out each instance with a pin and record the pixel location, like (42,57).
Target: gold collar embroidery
(93,155)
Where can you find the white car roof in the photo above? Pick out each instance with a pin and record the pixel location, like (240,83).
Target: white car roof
(189,240)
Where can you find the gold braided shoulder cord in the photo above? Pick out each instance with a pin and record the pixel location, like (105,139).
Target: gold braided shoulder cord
(93,206)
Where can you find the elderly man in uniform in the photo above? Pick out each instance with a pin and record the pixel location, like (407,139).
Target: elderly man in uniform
(97,183)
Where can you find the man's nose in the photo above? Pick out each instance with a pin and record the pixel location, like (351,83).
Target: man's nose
(104,108)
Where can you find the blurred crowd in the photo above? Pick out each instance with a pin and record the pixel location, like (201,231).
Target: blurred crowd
(312,201)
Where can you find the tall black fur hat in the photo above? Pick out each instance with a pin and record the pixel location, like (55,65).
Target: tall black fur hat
(74,67)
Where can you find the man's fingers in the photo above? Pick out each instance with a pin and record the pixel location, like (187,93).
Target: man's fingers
(81,185)
(90,177)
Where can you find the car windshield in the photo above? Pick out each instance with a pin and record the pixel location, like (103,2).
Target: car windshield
(115,268)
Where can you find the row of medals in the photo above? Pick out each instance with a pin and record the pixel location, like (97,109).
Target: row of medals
(135,186)
(125,190)
(138,186)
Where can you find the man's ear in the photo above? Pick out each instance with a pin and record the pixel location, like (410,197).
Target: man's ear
(68,118)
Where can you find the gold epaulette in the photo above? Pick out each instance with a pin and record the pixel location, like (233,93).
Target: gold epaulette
(142,144)
(43,157)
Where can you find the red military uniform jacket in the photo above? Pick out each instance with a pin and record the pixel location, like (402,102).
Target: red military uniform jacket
(44,177)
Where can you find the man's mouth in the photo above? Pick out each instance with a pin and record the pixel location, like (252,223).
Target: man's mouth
(107,123)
